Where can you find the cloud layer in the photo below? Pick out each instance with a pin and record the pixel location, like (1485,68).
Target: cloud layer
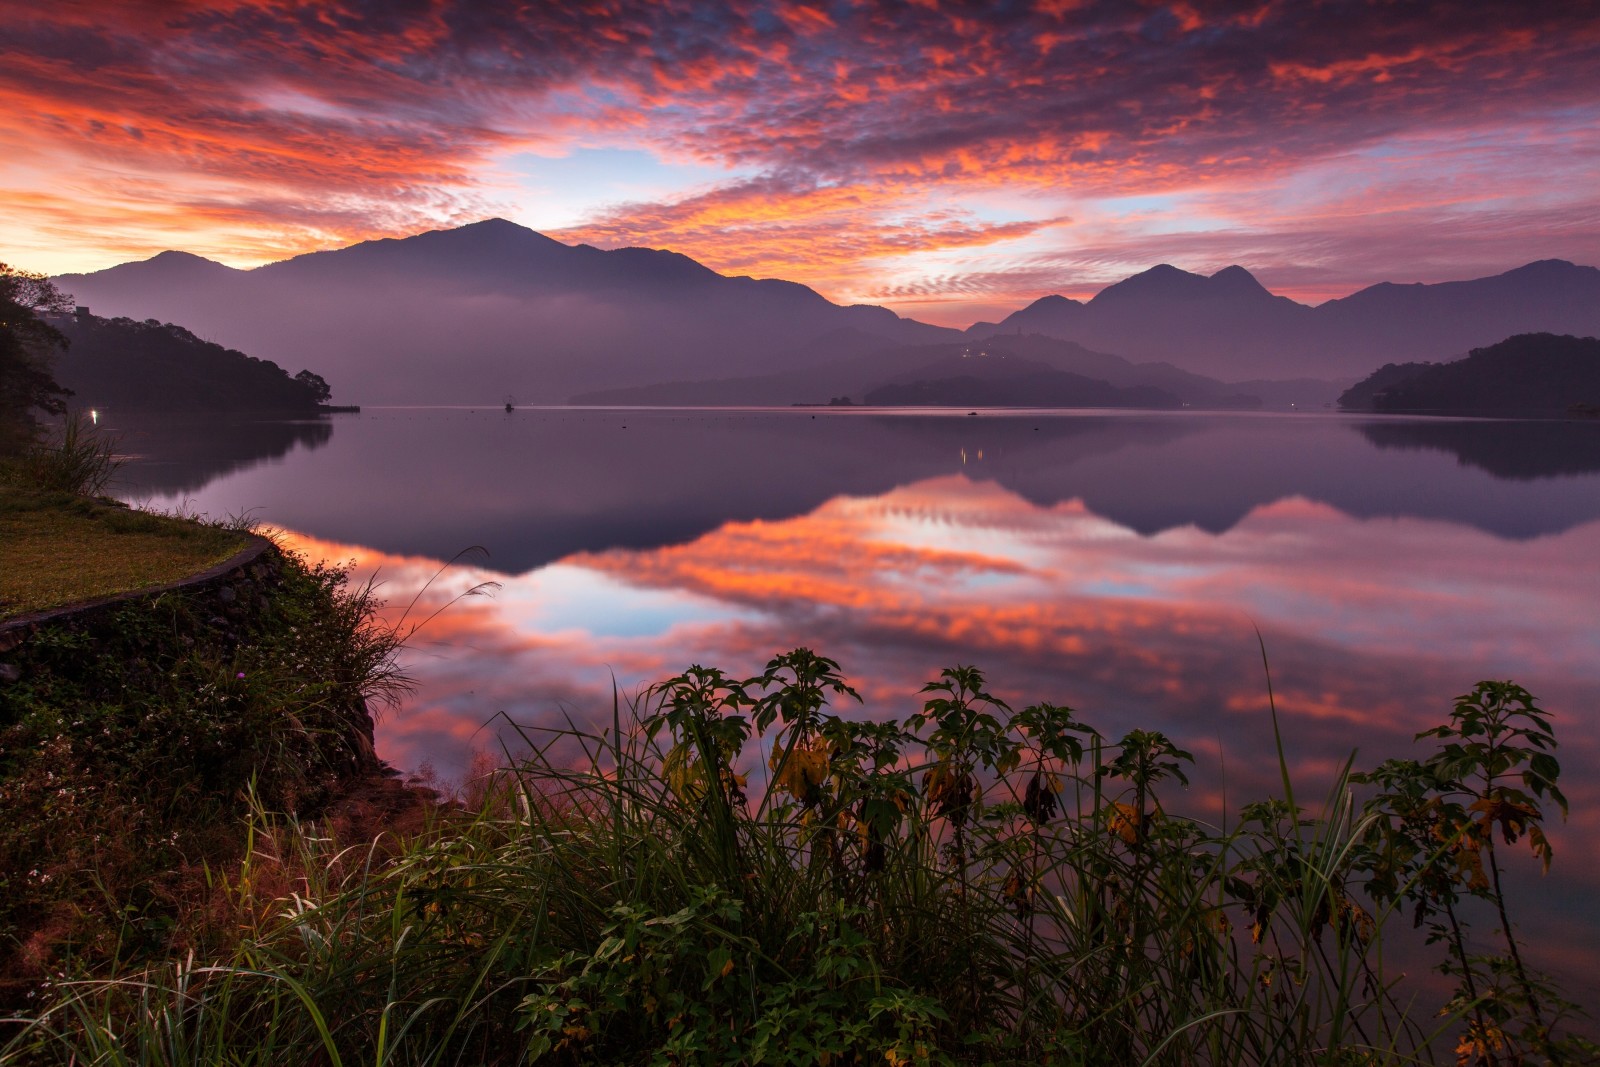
(924,153)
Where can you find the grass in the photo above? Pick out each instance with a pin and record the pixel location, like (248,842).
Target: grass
(976,885)
(61,543)
(130,751)
(57,548)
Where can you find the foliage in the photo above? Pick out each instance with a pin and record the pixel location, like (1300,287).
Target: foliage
(316,386)
(1531,374)
(974,885)
(1433,846)
(130,744)
(151,365)
(28,346)
(79,460)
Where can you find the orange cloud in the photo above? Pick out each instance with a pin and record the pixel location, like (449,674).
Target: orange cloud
(854,139)
(768,227)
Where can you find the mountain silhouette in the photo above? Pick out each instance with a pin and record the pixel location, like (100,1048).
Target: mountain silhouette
(473,313)
(469,314)
(1531,375)
(999,379)
(155,366)
(1229,326)
(1446,320)
(862,364)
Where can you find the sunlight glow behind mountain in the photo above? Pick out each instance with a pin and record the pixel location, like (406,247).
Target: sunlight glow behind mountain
(950,163)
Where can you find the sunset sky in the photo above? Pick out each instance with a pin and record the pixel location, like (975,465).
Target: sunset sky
(951,161)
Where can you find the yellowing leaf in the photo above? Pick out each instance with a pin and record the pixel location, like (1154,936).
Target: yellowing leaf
(1125,821)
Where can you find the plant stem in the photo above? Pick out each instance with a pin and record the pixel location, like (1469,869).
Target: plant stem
(1516,955)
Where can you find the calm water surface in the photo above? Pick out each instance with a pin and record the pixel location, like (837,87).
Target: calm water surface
(1121,563)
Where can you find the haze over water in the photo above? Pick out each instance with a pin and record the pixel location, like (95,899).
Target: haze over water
(1118,562)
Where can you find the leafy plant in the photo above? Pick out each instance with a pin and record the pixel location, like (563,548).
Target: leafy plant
(975,885)
(1432,844)
(80,459)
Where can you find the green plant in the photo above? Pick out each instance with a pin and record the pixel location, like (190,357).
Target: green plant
(80,459)
(621,895)
(129,747)
(1432,846)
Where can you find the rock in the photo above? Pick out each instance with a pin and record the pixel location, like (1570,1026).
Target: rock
(10,673)
(227,595)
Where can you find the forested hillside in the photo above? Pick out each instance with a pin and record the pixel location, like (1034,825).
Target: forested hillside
(152,365)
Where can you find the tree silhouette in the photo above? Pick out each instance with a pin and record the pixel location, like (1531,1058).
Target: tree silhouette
(315,384)
(28,346)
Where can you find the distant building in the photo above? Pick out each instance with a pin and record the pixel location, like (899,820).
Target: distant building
(81,312)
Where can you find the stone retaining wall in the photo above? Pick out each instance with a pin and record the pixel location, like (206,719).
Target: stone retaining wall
(236,586)
(224,602)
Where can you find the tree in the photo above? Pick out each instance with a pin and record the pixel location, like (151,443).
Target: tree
(314,384)
(28,345)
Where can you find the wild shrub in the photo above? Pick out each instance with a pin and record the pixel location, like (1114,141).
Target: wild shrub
(973,885)
(130,751)
(79,459)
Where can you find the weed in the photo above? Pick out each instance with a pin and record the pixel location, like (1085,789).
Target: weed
(973,886)
(80,459)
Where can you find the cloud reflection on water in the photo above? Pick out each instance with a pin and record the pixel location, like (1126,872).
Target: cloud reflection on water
(1371,627)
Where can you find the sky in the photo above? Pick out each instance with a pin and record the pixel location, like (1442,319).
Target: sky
(952,161)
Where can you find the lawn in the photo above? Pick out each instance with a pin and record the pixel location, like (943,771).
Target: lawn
(57,549)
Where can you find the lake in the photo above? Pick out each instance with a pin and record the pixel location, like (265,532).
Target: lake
(1122,563)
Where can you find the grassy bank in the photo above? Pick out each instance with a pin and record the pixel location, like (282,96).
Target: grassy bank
(62,543)
(973,885)
(59,548)
(135,737)
(131,747)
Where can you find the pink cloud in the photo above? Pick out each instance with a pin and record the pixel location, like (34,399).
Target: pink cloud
(276,127)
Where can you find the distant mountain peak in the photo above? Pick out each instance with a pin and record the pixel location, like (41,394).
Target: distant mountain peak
(1161,282)
(501,231)
(1548,268)
(1235,279)
(172,255)
(495,223)
(1166,282)
(162,268)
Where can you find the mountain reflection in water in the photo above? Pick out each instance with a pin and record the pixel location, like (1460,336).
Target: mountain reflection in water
(168,455)
(1120,563)
(1506,449)
(538,485)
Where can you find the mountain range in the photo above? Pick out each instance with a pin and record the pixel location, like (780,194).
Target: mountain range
(1229,326)
(471,314)
(468,315)
(861,366)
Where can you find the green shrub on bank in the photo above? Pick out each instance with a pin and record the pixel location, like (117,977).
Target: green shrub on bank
(976,885)
(79,459)
(130,746)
